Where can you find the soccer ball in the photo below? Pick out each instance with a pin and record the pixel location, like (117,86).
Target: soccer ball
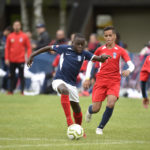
(75,131)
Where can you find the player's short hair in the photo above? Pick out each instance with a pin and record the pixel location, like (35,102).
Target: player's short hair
(79,35)
(110,28)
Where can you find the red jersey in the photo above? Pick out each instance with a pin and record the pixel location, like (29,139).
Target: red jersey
(146,65)
(110,69)
(16,45)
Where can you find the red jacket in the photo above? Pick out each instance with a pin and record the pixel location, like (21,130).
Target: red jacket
(16,46)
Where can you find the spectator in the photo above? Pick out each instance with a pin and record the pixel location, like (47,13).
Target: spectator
(119,42)
(93,43)
(16,45)
(43,36)
(145,51)
(71,39)
(60,38)
(6,32)
(32,41)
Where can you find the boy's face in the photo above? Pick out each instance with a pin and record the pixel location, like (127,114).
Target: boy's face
(110,37)
(79,44)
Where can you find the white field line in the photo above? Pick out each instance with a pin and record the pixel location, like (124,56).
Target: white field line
(87,143)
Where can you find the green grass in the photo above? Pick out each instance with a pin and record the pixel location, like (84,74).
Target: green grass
(38,123)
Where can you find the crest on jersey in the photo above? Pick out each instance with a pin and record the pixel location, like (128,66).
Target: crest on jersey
(79,58)
(21,39)
(114,55)
(12,40)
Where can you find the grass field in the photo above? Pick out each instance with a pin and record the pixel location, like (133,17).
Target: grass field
(38,123)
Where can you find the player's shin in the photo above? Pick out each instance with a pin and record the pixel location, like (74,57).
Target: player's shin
(106,116)
(66,107)
(78,117)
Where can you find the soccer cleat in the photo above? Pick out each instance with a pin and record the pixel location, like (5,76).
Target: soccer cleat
(99,131)
(9,93)
(88,116)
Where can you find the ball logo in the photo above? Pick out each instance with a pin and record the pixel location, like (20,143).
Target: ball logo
(79,58)
(21,39)
(114,55)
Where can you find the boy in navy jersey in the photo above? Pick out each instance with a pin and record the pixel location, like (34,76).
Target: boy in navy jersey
(71,59)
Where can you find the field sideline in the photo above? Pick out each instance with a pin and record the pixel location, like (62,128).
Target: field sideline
(38,123)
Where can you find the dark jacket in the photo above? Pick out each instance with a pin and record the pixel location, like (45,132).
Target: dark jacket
(43,40)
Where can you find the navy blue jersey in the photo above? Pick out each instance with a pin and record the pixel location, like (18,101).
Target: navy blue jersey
(70,63)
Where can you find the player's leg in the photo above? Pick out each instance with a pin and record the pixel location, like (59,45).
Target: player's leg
(77,114)
(94,108)
(111,100)
(98,96)
(74,101)
(21,76)
(12,77)
(112,96)
(63,90)
(144,75)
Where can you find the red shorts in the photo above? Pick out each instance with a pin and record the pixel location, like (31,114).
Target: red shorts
(102,88)
(144,75)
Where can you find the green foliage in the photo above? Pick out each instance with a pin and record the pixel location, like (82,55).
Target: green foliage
(38,122)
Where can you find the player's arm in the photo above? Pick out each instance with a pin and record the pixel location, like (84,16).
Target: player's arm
(35,53)
(130,69)
(86,82)
(101,58)
(130,64)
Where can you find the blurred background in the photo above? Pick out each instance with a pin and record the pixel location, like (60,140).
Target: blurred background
(131,18)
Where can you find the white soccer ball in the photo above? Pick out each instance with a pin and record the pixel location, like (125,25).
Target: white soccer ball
(75,131)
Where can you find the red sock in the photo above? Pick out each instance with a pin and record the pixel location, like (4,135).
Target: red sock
(66,106)
(78,118)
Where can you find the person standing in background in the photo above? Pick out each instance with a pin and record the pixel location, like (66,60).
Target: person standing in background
(6,32)
(43,36)
(17,44)
(144,75)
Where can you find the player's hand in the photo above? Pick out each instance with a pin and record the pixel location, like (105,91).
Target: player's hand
(145,102)
(29,61)
(86,84)
(104,57)
(125,73)
(7,62)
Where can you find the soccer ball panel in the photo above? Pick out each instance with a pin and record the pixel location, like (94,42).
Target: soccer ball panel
(75,131)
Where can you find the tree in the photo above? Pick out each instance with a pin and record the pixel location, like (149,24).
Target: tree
(62,14)
(38,15)
(24,16)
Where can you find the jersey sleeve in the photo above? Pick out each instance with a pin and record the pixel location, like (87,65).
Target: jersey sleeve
(59,48)
(88,55)
(125,55)
(97,53)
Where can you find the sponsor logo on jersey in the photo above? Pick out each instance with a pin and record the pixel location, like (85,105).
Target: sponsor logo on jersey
(79,58)
(114,55)
(67,53)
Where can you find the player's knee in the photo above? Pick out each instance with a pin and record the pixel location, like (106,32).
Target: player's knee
(65,91)
(96,109)
(111,104)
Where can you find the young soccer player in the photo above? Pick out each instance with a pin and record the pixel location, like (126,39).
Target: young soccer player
(71,59)
(108,78)
(144,74)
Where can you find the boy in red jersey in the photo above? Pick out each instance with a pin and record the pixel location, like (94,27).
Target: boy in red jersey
(144,74)
(108,78)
